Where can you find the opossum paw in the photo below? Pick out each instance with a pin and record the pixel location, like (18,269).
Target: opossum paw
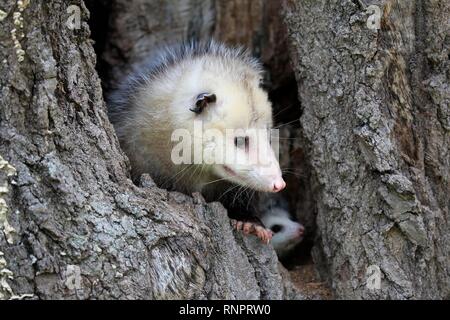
(254,228)
(264,234)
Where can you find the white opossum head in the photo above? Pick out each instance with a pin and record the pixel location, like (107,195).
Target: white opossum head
(206,85)
(221,102)
(286,232)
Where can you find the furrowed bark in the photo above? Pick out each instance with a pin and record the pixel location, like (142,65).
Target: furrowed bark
(372,150)
(376,118)
(73,224)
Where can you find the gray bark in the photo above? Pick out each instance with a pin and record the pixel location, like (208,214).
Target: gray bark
(73,225)
(376,119)
(372,150)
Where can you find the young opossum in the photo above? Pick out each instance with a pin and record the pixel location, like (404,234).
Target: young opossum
(211,83)
(286,232)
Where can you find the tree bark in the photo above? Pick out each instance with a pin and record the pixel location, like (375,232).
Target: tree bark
(372,147)
(73,224)
(375,115)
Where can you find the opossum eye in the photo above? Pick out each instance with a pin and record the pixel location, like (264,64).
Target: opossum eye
(203,99)
(276,228)
(263,84)
(242,142)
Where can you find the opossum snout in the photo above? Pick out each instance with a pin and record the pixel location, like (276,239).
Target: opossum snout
(278,184)
(300,231)
(270,177)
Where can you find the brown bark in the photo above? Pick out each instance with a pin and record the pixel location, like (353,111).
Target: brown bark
(376,118)
(371,150)
(73,224)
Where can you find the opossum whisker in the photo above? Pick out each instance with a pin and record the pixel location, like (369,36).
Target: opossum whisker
(194,172)
(285,124)
(285,108)
(228,190)
(182,172)
(201,171)
(236,194)
(166,183)
(242,196)
(240,191)
(250,199)
(214,181)
(295,173)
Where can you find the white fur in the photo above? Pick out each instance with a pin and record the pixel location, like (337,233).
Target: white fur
(289,236)
(155,100)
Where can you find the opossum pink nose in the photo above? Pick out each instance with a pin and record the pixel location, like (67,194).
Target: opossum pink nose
(300,231)
(279,185)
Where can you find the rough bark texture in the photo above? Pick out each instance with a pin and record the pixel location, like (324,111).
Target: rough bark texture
(73,224)
(136,28)
(372,151)
(376,118)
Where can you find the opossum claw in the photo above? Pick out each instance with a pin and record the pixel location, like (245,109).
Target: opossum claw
(263,234)
(247,227)
(253,228)
(236,224)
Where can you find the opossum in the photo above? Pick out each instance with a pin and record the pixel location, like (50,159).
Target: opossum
(178,88)
(287,233)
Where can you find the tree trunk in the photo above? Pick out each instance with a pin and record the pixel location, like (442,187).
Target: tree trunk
(73,224)
(375,114)
(372,149)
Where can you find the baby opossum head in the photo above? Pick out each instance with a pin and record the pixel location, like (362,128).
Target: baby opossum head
(286,232)
(220,93)
(212,92)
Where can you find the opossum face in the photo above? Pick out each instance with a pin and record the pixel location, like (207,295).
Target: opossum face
(286,232)
(240,113)
(250,160)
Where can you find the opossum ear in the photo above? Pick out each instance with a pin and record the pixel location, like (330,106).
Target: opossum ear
(202,101)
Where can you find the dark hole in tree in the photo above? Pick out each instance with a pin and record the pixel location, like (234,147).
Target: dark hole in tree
(98,23)
(295,165)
